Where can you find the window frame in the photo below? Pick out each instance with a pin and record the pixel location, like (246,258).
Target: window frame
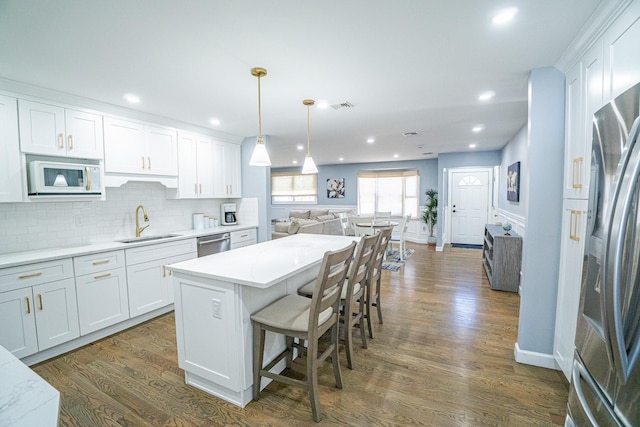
(406,201)
(296,192)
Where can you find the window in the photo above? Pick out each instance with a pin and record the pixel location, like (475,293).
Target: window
(383,191)
(291,187)
(469,180)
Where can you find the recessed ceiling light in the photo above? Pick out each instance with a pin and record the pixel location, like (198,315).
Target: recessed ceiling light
(371,140)
(323,103)
(295,162)
(478,128)
(472,145)
(485,96)
(134,99)
(395,156)
(300,147)
(341,159)
(504,16)
(214,121)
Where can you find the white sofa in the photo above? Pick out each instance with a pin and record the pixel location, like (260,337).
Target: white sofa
(312,221)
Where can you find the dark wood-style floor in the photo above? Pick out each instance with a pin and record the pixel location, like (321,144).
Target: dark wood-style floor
(443,357)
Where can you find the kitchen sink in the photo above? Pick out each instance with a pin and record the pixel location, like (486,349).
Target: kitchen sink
(147,238)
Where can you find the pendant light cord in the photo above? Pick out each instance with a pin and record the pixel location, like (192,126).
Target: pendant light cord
(259,110)
(308,129)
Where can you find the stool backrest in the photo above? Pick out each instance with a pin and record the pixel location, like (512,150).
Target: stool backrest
(362,261)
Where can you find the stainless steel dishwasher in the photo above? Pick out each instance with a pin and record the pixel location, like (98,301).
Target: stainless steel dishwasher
(213,244)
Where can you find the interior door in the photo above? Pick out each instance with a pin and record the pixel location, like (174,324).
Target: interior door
(469,206)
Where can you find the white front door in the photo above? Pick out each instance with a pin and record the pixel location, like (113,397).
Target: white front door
(469,206)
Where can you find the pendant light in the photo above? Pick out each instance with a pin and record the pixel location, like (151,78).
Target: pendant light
(309,165)
(260,157)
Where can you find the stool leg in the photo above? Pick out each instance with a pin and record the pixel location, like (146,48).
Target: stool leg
(312,380)
(348,336)
(378,306)
(368,308)
(363,333)
(258,355)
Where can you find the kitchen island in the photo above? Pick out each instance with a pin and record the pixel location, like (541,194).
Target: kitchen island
(215,297)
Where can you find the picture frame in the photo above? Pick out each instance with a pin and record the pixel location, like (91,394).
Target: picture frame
(335,188)
(513,182)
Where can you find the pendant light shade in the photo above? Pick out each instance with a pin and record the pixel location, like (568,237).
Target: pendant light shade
(260,157)
(309,165)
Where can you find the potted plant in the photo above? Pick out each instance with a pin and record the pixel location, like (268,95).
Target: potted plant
(430,214)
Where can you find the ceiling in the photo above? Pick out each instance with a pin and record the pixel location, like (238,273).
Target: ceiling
(406,66)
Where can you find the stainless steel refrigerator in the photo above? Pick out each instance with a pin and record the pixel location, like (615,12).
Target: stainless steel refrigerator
(605,386)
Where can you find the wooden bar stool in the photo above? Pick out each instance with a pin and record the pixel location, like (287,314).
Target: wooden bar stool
(306,319)
(373,279)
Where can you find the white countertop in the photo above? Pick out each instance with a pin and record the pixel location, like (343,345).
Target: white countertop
(28,257)
(266,263)
(25,398)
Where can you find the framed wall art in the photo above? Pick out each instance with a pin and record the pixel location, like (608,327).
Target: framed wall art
(513,182)
(335,188)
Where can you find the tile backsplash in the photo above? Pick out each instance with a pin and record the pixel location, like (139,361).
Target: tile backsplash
(42,225)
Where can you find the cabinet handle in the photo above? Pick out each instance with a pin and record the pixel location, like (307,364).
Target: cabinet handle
(28,305)
(27,276)
(142,162)
(104,261)
(195,188)
(149,162)
(60,141)
(576,230)
(40,301)
(70,142)
(200,188)
(102,276)
(230,189)
(576,179)
(243,235)
(164,271)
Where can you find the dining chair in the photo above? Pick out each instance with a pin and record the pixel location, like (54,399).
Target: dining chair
(400,239)
(362,230)
(297,317)
(372,292)
(344,223)
(382,216)
(353,292)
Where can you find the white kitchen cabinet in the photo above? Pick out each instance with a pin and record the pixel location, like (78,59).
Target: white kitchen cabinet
(137,148)
(101,284)
(57,131)
(227,169)
(243,238)
(38,308)
(575,146)
(621,41)
(11,176)
(195,166)
(572,244)
(147,277)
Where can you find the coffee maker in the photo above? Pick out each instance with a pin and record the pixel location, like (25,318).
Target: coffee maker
(228,215)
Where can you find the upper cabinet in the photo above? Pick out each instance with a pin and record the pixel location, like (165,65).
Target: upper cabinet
(621,41)
(227,170)
(10,162)
(55,131)
(136,148)
(195,166)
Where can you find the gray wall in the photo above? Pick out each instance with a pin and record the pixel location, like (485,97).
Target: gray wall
(541,246)
(516,150)
(427,168)
(256,182)
(459,160)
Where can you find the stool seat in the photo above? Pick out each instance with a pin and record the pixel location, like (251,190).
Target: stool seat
(290,312)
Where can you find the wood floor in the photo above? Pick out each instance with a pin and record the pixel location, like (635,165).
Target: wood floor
(443,357)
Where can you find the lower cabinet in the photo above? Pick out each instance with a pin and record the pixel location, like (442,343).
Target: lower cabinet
(101,283)
(38,308)
(147,276)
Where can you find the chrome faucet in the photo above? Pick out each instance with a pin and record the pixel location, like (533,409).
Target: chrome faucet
(139,229)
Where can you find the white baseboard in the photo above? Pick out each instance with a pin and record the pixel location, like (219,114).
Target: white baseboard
(542,360)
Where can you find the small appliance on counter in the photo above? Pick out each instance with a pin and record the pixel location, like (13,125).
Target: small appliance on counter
(228,215)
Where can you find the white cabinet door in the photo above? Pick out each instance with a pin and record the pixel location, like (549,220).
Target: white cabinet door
(56,313)
(102,299)
(17,317)
(204,166)
(11,176)
(227,170)
(146,289)
(621,41)
(123,146)
(574,220)
(187,172)
(167,275)
(574,134)
(161,150)
(43,130)
(84,135)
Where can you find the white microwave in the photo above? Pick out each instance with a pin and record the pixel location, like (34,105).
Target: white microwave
(53,178)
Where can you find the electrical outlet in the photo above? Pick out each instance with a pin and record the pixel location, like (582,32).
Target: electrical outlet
(217,308)
(78,220)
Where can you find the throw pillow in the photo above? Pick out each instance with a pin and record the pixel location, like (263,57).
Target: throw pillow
(281,227)
(293,228)
(315,213)
(299,214)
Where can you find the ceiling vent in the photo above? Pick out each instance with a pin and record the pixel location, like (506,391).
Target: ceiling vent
(409,133)
(345,104)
